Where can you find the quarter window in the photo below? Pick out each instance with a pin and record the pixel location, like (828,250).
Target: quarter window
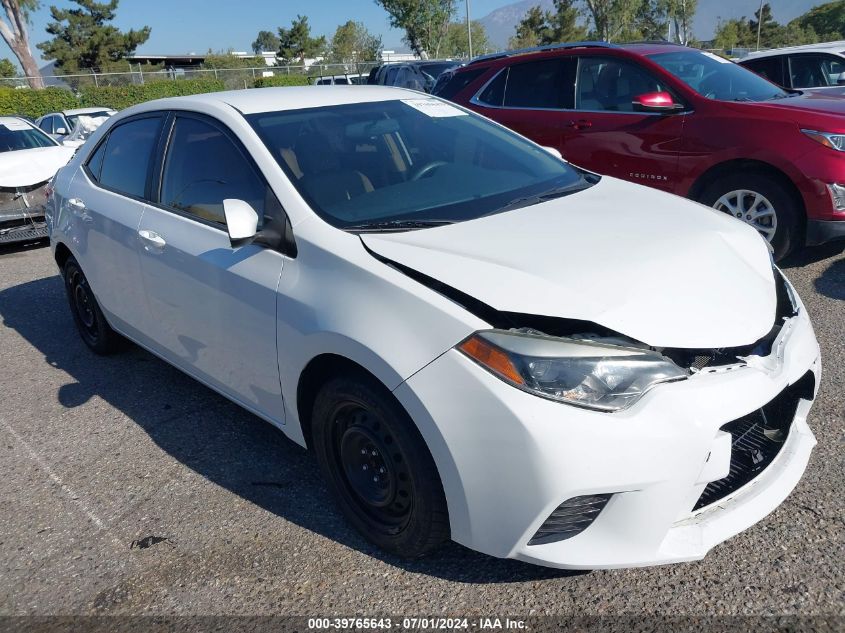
(204,167)
(611,84)
(127,155)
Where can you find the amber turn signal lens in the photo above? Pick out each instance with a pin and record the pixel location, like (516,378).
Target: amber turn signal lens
(492,358)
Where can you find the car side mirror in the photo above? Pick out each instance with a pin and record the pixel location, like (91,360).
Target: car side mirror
(655,102)
(553,151)
(61,131)
(241,221)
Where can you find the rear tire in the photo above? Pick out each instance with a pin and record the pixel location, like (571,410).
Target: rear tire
(90,321)
(378,467)
(762,202)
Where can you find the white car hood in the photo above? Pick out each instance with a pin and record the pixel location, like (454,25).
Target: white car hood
(25,167)
(653,266)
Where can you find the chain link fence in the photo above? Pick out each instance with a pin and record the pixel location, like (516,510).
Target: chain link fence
(233,78)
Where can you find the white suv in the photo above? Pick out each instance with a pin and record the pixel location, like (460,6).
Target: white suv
(814,67)
(477,339)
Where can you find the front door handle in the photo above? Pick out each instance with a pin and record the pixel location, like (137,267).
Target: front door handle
(76,205)
(152,239)
(580,124)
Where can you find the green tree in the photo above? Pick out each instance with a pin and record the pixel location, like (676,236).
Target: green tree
(768,28)
(84,39)
(296,43)
(265,42)
(353,43)
(826,20)
(14,32)
(539,28)
(8,68)
(680,14)
(611,18)
(456,43)
(425,22)
(650,22)
(225,60)
(732,34)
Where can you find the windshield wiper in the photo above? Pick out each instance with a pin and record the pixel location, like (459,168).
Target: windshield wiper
(543,196)
(396,225)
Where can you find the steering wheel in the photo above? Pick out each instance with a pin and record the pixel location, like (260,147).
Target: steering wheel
(426,169)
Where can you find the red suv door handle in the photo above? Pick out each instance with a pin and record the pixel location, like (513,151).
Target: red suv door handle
(580,124)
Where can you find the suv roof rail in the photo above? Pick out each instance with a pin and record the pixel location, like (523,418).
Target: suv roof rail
(539,49)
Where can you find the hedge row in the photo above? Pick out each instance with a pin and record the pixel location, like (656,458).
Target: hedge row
(120,97)
(281,80)
(35,103)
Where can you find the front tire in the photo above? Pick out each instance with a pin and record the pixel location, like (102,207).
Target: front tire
(378,467)
(90,321)
(762,202)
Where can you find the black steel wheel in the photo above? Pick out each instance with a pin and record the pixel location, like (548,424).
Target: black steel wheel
(378,467)
(90,322)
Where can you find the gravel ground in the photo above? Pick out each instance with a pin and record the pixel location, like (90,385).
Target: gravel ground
(98,454)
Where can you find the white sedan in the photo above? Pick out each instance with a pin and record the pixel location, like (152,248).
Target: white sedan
(478,340)
(28,160)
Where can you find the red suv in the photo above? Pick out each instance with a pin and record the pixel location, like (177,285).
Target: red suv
(678,119)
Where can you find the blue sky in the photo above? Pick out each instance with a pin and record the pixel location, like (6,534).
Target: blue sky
(185,26)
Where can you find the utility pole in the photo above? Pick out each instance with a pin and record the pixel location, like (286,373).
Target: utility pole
(759,23)
(469,30)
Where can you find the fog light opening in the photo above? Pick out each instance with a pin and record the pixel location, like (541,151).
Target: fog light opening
(570,518)
(837,196)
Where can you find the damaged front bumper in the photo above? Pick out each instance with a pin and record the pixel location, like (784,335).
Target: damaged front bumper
(22,213)
(508,460)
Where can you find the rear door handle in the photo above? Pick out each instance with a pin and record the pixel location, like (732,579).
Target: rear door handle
(580,124)
(152,239)
(76,205)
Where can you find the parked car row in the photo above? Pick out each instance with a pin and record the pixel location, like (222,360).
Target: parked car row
(419,75)
(30,154)
(677,119)
(478,340)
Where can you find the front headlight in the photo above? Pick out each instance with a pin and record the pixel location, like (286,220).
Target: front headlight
(580,372)
(833,140)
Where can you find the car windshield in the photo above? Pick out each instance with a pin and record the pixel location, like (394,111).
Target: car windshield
(412,161)
(435,70)
(16,135)
(717,78)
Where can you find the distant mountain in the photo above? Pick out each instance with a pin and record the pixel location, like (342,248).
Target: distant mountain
(500,24)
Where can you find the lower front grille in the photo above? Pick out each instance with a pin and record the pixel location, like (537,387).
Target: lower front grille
(24,233)
(756,439)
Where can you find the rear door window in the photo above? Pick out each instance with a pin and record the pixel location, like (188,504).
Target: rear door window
(203,167)
(768,67)
(547,83)
(128,155)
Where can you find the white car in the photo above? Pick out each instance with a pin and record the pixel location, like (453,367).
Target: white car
(477,339)
(62,124)
(28,160)
(813,67)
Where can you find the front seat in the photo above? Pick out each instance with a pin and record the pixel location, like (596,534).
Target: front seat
(325,179)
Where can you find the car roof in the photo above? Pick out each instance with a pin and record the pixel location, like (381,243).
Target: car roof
(73,111)
(639,48)
(828,47)
(13,119)
(255,100)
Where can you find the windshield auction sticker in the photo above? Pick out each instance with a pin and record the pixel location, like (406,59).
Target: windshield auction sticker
(16,125)
(433,107)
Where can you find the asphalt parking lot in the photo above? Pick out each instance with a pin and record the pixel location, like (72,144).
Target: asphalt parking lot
(128,488)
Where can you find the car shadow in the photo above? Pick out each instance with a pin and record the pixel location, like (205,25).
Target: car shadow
(831,283)
(813,254)
(217,439)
